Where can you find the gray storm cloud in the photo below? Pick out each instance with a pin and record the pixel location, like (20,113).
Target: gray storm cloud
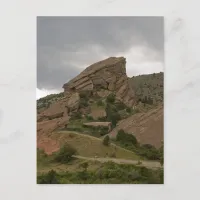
(65,45)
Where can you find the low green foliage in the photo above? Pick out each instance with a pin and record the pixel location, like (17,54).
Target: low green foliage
(83,103)
(110,98)
(106,140)
(107,173)
(147,151)
(120,106)
(89,118)
(84,165)
(128,110)
(125,138)
(100,103)
(64,155)
(112,114)
(49,178)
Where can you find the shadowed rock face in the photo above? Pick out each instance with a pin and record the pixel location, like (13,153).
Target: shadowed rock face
(109,75)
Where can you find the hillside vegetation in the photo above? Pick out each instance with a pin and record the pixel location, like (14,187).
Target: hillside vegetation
(93,172)
(149,88)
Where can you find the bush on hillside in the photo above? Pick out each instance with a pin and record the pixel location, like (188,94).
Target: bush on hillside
(106,140)
(84,165)
(89,118)
(64,155)
(112,114)
(48,178)
(110,98)
(83,103)
(125,138)
(128,110)
(120,106)
(150,152)
(100,103)
(111,173)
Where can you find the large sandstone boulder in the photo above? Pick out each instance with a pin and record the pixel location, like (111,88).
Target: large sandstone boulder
(108,75)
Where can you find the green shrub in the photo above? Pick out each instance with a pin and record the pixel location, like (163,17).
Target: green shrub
(120,106)
(110,98)
(89,118)
(100,103)
(148,151)
(125,138)
(106,140)
(112,114)
(128,110)
(83,103)
(84,165)
(49,178)
(109,172)
(64,155)
(83,176)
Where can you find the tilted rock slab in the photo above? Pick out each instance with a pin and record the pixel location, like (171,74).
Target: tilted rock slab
(108,74)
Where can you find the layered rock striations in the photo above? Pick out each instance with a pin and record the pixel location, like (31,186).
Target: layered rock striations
(106,76)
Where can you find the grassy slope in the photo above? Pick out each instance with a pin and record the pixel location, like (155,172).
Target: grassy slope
(90,146)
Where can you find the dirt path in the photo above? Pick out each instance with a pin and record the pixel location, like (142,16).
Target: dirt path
(147,164)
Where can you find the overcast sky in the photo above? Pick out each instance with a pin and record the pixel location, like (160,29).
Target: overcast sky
(67,45)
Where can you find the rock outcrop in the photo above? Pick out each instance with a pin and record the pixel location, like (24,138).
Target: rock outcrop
(100,79)
(108,75)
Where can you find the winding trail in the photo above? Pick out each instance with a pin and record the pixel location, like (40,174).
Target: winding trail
(147,164)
